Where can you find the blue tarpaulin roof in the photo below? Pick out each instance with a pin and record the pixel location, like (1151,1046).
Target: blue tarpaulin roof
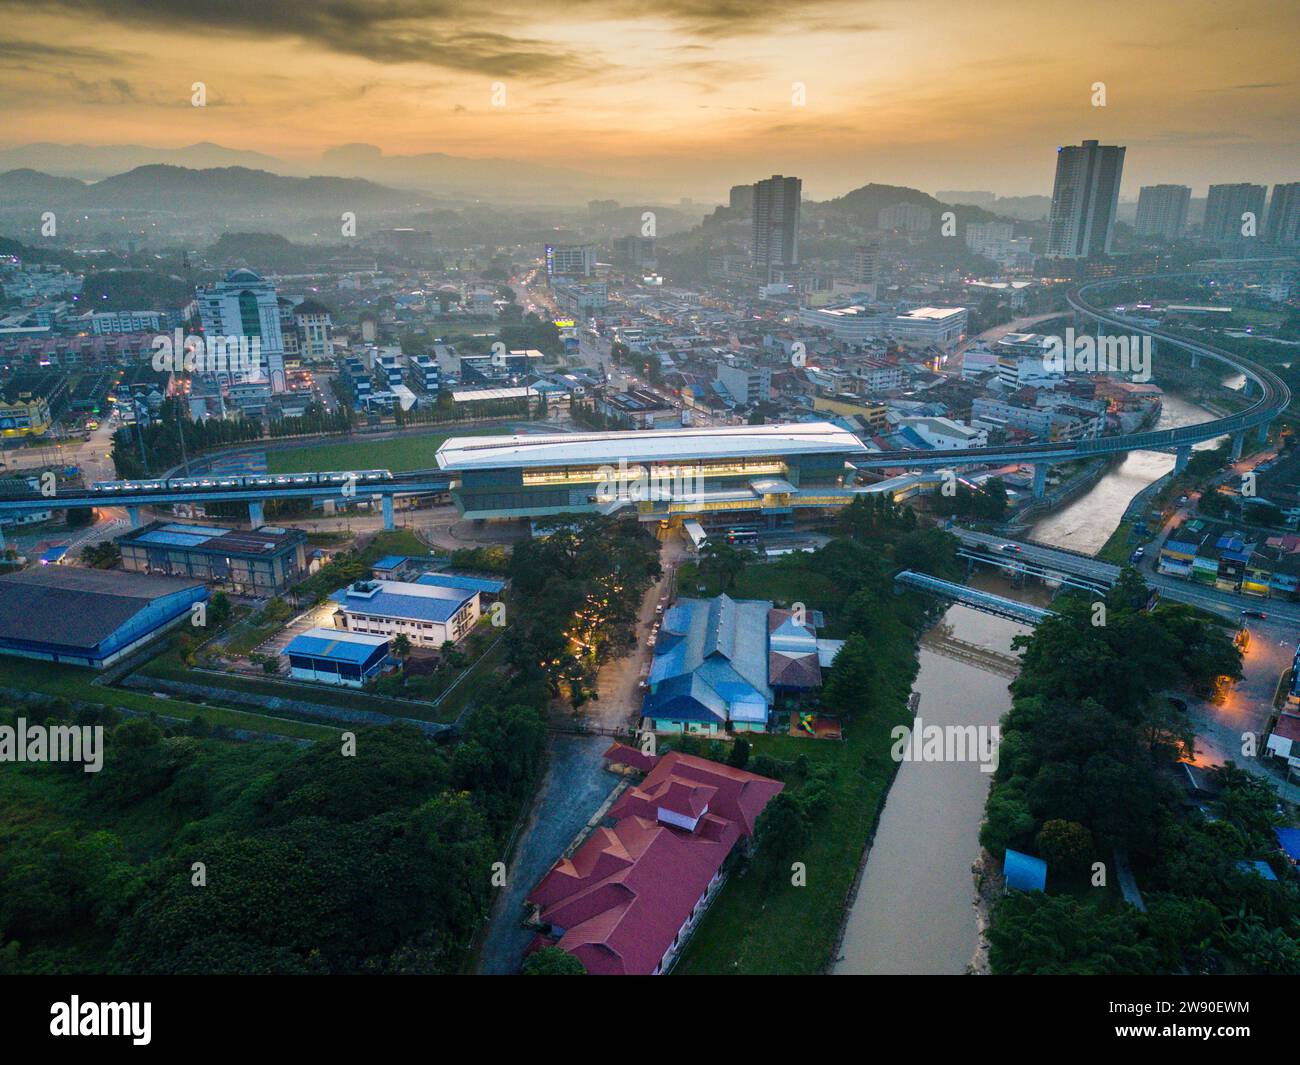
(1262,868)
(1289,840)
(1024,872)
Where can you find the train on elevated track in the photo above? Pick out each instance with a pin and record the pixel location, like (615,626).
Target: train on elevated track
(359,479)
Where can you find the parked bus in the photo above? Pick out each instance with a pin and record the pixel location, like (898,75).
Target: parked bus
(742,535)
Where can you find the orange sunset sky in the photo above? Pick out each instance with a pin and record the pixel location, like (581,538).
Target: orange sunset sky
(938,94)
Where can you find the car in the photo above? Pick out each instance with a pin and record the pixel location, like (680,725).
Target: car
(1136,556)
(1012,548)
(1182,501)
(1254,614)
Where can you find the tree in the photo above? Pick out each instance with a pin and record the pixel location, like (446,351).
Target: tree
(103,555)
(852,677)
(781,830)
(219,609)
(1038,934)
(552,961)
(739,757)
(1066,846)
(722,562)
(402,646)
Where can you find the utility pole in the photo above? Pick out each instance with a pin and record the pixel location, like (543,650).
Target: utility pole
(139,433)
(180,428)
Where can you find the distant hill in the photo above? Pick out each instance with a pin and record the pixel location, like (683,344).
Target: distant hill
(425,171)
(26,186)
(92,162)
(175,188)
(863,205)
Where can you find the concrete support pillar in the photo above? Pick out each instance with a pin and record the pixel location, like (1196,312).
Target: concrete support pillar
(1182,457)
(1040,479)
(2,539)
(1237,440)
(1196,360)
(134,514)
(388,514)
(1262,435)
(256,517)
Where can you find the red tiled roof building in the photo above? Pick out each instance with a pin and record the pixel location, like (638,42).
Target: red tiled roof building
(626,899)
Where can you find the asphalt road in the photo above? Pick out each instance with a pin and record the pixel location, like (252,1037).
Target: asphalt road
(576,785)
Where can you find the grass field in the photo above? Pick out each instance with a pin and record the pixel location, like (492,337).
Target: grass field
(398,454)
(783,581)
(73,683)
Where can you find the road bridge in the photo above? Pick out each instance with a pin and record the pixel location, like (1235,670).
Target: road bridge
(999,605)
(973,654)
(1013,563)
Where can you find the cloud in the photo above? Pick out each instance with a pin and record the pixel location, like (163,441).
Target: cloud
(24,52)
(385,31)
(102,90)
(732,18)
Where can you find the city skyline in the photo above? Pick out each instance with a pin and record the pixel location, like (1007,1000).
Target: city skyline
(934,95)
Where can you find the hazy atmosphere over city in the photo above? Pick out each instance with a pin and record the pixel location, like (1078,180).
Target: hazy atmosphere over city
(685,97)
(669,488)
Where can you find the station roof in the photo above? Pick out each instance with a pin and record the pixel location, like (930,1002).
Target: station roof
(645,445)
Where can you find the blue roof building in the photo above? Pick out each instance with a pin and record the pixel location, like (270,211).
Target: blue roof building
(720,663)
(427,615)
(89,617)
(335,656)
(260,562)
(1024,872)
(710,667)
(389,566)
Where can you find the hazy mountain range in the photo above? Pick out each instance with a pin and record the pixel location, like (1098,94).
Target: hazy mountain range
(430,172)
(175,188)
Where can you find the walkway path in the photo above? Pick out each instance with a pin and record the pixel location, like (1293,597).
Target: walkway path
(576,785)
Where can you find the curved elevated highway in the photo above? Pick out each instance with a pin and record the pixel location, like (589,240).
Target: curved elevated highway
(1272,398)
